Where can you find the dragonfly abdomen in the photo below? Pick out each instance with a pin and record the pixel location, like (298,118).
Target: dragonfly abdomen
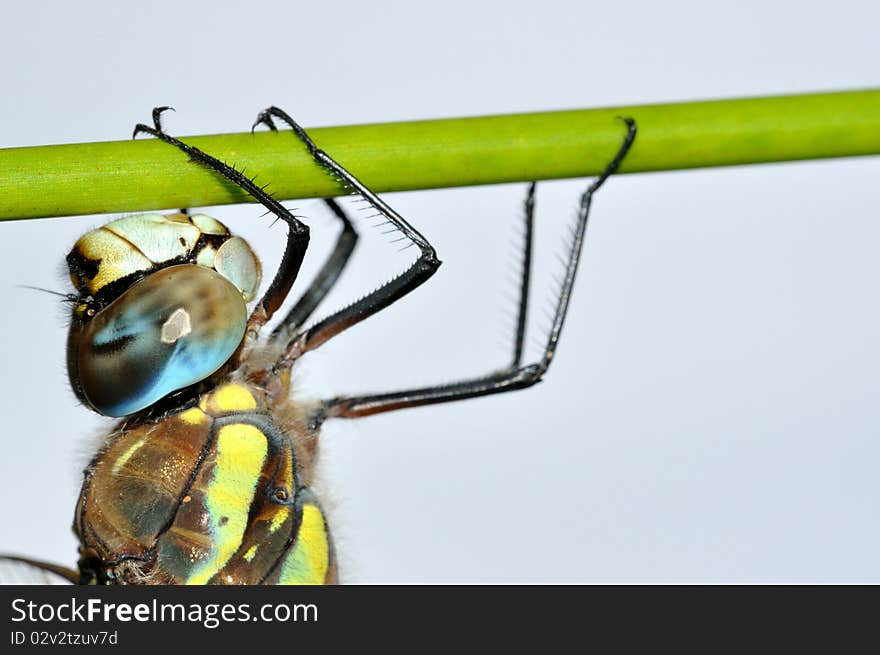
(211,494)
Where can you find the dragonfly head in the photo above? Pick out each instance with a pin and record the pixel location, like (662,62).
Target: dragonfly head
(161,304)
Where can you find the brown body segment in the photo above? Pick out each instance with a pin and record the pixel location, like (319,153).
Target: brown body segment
(133,487)
(210,494)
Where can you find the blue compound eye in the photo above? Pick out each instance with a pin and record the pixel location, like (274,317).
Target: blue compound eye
(172,329)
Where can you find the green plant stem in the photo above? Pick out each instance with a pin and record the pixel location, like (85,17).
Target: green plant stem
(127,176)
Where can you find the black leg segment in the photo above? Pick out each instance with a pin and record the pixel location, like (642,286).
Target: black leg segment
(331,270)
(418,272)
(325,279)
(515,376)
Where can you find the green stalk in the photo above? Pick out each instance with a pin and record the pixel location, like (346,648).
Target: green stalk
(127,176)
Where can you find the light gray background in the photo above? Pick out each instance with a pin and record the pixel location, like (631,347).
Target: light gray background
(713,413)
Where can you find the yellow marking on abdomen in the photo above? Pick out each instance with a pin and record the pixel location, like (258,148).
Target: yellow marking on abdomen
(122,460)
(251,552)
(278,520)
(241,452)
(311,553)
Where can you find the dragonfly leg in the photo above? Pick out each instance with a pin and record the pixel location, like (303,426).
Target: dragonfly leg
(515,376)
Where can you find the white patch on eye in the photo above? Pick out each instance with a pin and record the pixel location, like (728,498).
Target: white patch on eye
(177,326)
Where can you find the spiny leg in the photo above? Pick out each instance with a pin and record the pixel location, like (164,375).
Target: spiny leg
(329,274)
(357,406)
(325,279)
(297,231)
(516,376)
(523,309)
(417,273)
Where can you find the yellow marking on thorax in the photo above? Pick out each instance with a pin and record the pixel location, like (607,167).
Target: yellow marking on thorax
(241,453)
(122,460)
(251,553)
(228,398)
(311,554)
(193,416)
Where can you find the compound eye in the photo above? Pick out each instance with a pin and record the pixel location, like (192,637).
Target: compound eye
(172,329)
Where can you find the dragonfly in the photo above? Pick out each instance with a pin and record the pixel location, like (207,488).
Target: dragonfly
(207,476)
